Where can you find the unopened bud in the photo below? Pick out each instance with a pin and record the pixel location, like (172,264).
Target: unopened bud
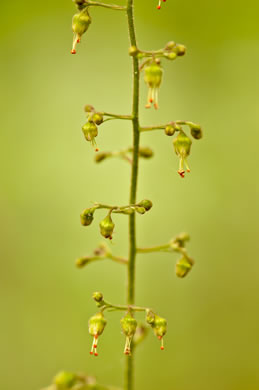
(171,56)
(88,108)
(87,216)
(183,267)
(147,204)
(97,118)
(98,296)
(150,317)
(133,51)
(145,152)
(140,210)
(169,130)
(170,45)
(180,50)
(64,380)
(107,227)
(196,131)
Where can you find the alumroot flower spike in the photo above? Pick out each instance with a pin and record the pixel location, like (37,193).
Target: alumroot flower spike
(80,24)
(129,326)
(182,146)
(153,77)
(96,324)
(107,227)
(159,3)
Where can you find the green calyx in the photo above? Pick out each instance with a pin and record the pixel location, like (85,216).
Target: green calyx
(97,324)
(87,216)
(196,131)
(153,74)
(129,325)
(160,327)
(107,227)
(64,380)
(183,267)
(81,22)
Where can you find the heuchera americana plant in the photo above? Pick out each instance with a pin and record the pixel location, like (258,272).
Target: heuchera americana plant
(150,64)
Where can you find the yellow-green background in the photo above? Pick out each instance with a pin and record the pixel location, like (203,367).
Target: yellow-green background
(48,177)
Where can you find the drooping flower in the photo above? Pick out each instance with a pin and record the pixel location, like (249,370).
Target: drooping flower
(80,24)
(129,326)
(158,324)
(96,324)
(153,77)
(182,146)
(90,131)
(107,226)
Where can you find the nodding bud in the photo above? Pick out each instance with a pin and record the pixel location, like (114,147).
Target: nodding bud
(64,380)
(145,152)
(150,317)
(98,296)
(140,210)
(170,56)
(196,131)
(90,132)
(183,267)
(182,146)
(88,108)
(107,227)
(129,326)
(133,51)
(87,216)
(180,50)
(159,3)
(170,46)
(171,128)
(80,24)
(153,78)
(101,156)
(97,118)
(147,204)
(96,325)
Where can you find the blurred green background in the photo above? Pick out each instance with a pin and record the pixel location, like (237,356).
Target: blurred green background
(48,177)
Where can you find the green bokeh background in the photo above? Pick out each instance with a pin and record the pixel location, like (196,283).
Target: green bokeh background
(48,177)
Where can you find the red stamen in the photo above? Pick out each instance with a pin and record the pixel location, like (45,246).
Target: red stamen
(158,7)
(95,354)
(78,41)
(162,348)
(95,345)
(97,150)
(91,353)
(73,51)
(150,100)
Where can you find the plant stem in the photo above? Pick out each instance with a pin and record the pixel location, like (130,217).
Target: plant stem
(133,190)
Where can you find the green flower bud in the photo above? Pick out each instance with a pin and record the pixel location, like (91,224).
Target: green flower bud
(88,108)
(133,51)
(101,156)
(64,380)
(98,296)
(171,56)
(140,210)
(180,50)
(147,204)
(90,132)
(183,267)
(87,216)
(150,317)
(80,24)
(182,146)
(107,227)
(145,152)
(196,131)
(169,130)
(97,118)
(129,326)
(170,45)
(96,324)
(153,78)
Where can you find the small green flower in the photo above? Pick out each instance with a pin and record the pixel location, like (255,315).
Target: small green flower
(96,324)
(153,77)
(182,146)
(80,24)
(129,326)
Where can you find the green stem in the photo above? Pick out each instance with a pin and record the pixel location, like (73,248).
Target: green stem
(159,248)
(133,190)
(111,6)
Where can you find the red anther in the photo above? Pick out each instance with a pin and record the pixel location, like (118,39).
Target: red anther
(91,353)
(158,7)
(147,106)
(156,106)
(188,170)
(159,337)
(78,41)
(162,348)
(181,173)
(73,51)
(110,238)
(97,150)
(151,100)
(95,346)
(96,354)
(164,1)
(127,352)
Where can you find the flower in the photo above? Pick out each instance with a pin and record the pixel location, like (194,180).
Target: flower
(182,146)
(153,78)
(96,324)
(107,227)
(129,326)
(90,131)
(159,325)
(159,4)
(80,24)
